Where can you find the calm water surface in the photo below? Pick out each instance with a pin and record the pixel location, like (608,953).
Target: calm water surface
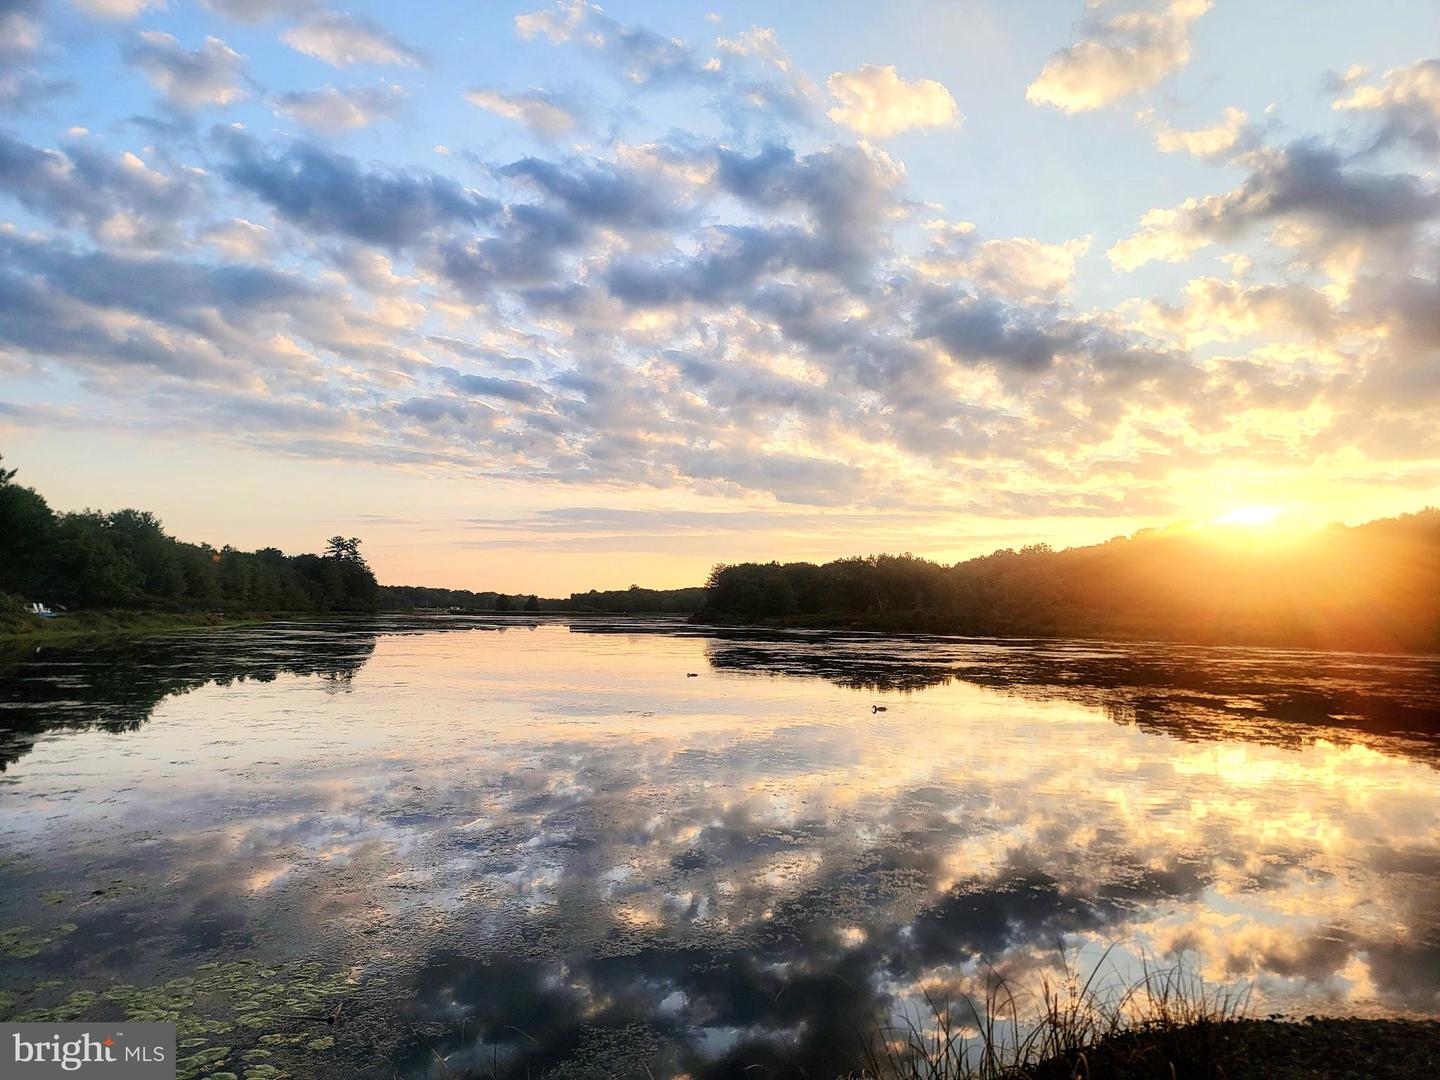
(548,848)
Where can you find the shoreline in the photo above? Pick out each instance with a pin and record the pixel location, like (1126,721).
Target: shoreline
(109,623)
(1389,1048)
(940,629)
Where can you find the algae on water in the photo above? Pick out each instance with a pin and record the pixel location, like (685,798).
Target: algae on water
(266,1022)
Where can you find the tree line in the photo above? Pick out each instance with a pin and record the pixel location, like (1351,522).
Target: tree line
(1373,586)
(633,600)
(421,598)
(125,559)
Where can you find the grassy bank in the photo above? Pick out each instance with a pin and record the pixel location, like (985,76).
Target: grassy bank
(18,628)
(1262,1050)
(1228,1050)
(1169,1026)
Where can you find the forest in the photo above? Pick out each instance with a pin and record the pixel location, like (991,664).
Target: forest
(1373,587)
(422,598)
(631,601)
(124,559)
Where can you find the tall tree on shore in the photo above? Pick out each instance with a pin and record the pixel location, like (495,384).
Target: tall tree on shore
(343,547)
(125,558)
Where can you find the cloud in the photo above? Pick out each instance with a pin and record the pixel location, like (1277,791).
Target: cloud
(849,194)
(21,34)
(190,80)
(793,478)
(735,308)
(490,386)
(1211,142)
(332,112)
(643,56)
(1122,55)
(332,194)
(978,329)
(751,79)
(1218,310)
(238,239)
(557,24)
(757,72)
(844,193)
(347,40)
(1406,105)
(876,101)
(538,110)
(20,28)
(258,11)
(21,91)
(601,193)
(1305,183)
(1018,266)
(182,320)
(119,200)
(116,9)
(526,249)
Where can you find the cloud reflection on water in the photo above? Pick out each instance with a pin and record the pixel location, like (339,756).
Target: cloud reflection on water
(561,834)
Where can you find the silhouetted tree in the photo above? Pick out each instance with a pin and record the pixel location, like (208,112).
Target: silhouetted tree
(1373,586)
(343,547)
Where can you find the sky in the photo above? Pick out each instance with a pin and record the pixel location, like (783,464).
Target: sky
(550,297)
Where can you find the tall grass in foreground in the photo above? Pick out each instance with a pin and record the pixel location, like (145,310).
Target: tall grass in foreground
(1167,1024)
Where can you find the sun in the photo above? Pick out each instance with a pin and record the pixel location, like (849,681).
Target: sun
(1249,515)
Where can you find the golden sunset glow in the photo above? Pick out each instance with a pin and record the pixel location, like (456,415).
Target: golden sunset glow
(836,284)
(1249,515)
(577,537)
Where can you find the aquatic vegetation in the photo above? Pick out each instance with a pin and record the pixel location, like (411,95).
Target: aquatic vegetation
(22,943)
(264,1020)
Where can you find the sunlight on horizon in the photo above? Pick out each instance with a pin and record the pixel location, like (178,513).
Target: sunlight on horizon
(1249,515)
(800,290)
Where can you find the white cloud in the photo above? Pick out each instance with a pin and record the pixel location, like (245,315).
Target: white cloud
(347,40)
(536,109)
(19,33)
(1016,266)
(238,239)
(1122,55)
(1309,194)
(729,308)
(1408,102)
(1166,235)
(116,9)
(333,111)
(257,11)
(213,74)
(876,101)
(556,24)
(1213,141)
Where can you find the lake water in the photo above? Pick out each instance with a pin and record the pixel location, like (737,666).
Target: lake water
(406,849)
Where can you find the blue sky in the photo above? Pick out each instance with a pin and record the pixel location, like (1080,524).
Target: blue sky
(550,296)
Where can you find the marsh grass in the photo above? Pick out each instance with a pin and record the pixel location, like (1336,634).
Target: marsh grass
(1166,1024)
